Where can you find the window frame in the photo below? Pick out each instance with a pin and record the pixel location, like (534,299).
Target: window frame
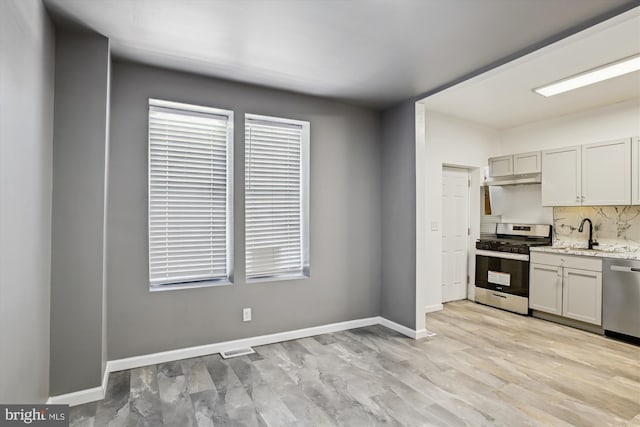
(305,166)
(229,229)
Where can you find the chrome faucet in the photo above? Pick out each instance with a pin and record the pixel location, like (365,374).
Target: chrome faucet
(592,242)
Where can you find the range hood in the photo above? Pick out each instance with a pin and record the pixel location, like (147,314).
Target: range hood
(534,178)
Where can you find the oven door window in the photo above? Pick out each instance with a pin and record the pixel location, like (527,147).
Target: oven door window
(504,275)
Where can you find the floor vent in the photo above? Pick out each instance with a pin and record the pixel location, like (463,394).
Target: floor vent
(237,352)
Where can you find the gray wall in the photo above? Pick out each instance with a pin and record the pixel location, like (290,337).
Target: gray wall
(398,287)
(79,159)
(26,127)
(344,223)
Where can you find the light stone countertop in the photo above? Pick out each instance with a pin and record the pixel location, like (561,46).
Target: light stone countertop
(601,251)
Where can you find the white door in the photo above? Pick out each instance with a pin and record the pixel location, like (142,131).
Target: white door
(606,173)
(562,177)
(455,239)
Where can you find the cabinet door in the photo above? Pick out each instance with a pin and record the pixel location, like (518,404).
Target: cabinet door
(606,173)
(561,177)
(635,171)
(524,163)
(501,166)
(582,295)
(545,288)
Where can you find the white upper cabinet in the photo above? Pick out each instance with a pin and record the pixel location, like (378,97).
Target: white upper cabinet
(635,171)
(515,164)
(526,163)
(596,174)
(562,177)
(501,166)
(606,173)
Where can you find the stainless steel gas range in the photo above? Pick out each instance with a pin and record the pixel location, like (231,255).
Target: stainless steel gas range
(502,265)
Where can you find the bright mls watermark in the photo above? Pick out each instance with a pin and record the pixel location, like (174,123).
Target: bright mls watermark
(35,415)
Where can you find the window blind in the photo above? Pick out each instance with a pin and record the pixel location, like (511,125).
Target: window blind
(189,193)
(275,223)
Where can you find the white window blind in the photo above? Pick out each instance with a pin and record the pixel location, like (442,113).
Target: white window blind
(276,197)
(189,193)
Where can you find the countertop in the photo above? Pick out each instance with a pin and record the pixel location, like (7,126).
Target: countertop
(602,251)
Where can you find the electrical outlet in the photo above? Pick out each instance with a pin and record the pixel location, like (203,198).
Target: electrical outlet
(246,314)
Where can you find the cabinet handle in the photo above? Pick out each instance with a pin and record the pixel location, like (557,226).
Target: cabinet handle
(582,197)
(577,198)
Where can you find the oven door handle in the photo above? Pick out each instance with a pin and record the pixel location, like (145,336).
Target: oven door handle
(504,255)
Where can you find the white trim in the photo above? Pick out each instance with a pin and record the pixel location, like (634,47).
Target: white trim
(77,397)
(97,393)
(82,396)
(203,350)
(423,333)
(105,379)
(432,308)
(411,333)
(423,276)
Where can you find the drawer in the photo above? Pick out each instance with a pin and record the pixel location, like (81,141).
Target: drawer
(571,261)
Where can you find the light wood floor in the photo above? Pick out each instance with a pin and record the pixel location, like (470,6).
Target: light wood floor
(525,371)
(485,367)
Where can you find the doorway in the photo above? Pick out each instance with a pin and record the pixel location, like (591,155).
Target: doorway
(455,233)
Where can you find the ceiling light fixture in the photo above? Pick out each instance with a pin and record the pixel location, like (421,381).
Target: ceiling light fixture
(609,71)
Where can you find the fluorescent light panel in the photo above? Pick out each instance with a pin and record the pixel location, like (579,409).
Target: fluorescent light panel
(609,71)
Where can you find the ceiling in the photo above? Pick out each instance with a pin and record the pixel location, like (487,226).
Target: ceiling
(503,97)
(371,52)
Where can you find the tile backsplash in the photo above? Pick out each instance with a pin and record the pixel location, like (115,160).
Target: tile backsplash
(612,225)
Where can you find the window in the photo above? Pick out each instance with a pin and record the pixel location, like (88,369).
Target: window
(276,197)
(190,194)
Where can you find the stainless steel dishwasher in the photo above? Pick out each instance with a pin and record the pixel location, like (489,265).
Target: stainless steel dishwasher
(621,299)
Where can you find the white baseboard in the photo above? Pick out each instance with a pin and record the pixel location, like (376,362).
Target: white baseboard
(97,393)
(423,333)
(408,332)
(82,396)
(203,350)
(432,308)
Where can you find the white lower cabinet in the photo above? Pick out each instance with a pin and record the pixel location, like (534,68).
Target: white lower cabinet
(582,295)
(568,286)
(545,288)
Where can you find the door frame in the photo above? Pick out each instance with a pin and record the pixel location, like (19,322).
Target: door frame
(468,239)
